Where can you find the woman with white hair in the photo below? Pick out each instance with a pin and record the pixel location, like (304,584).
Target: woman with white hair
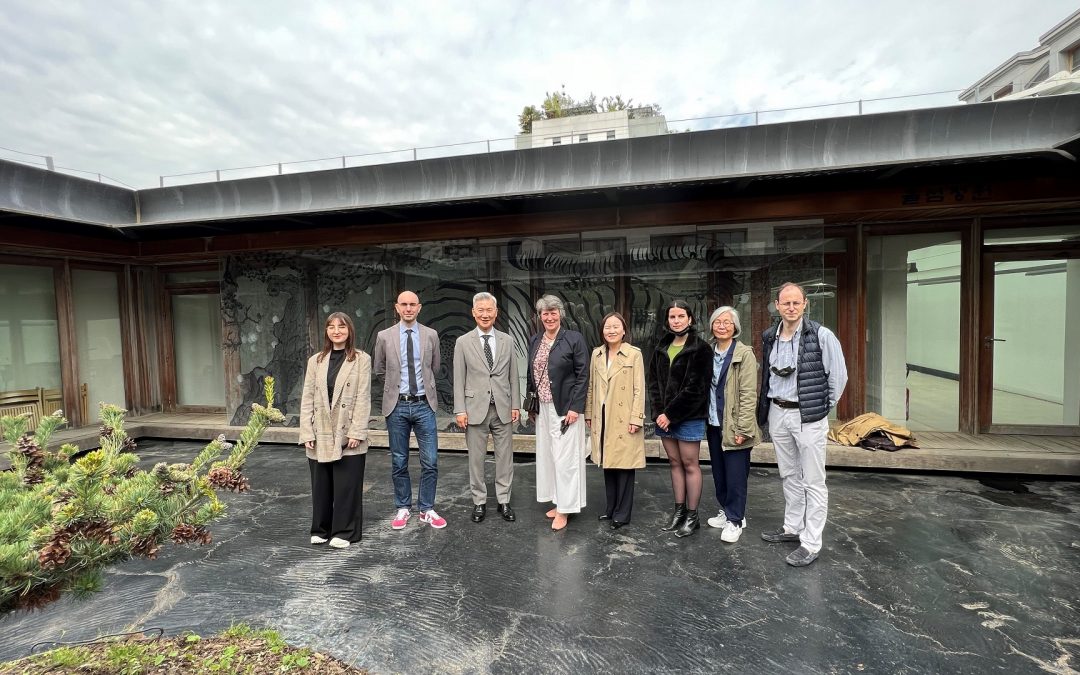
(559,377)
(733,429)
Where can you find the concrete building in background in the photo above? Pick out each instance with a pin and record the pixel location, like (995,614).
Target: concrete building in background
(605,126)
(1051,68)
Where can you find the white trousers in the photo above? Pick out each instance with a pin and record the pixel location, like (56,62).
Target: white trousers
(560,461)
(800,456)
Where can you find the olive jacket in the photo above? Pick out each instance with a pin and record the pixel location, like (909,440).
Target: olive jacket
(739,416)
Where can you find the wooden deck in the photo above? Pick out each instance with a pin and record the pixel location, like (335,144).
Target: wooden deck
(1034,455)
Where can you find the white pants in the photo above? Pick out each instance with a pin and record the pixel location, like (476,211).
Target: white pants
(560,461)
(800,456)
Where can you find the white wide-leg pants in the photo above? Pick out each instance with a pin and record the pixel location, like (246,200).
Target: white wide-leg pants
(560,461)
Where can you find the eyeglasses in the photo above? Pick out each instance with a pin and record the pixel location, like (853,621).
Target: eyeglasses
(782,372)
(724,324)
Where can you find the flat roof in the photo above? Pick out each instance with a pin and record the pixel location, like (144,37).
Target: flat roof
(1019,128)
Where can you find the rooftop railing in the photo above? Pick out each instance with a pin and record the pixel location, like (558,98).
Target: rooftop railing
(701,123)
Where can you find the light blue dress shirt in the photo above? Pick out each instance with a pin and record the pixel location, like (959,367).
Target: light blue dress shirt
(786,353)
(718,359)
(402,335)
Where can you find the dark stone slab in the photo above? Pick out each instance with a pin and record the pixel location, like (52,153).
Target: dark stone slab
(919,574)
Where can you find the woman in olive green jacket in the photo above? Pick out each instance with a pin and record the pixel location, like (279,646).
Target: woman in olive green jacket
(732,430)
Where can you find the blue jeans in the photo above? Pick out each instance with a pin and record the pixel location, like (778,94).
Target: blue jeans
(417,417)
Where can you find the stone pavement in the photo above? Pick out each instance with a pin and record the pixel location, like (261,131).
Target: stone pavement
(919,574)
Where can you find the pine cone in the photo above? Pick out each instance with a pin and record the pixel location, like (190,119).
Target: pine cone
(97,530)
(38,598)
(145,546)
(223,477)
(129,445)
(33,475)
(184,533)
(105,432)
(28,447)
(56,552)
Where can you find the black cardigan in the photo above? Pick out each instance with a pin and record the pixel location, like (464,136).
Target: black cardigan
(680,388)
(568,370)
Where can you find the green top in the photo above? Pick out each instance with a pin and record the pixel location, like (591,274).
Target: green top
(673,351)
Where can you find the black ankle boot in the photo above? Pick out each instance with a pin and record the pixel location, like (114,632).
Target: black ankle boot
(677,518)
(689,524)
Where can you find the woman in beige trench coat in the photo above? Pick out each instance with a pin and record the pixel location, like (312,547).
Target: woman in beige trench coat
(615,414)
(334,409)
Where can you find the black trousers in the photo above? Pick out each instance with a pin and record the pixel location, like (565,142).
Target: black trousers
(619,485)
(337,497)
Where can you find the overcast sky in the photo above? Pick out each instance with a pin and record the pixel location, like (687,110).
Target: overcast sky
(138,89)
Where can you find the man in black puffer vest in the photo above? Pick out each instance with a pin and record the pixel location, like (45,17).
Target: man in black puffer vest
(803,375)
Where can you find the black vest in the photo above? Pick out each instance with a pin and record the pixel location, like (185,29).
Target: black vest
(813,381)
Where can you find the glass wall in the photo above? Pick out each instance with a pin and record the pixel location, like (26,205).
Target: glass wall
(592,272)
(200,371)
(29,342)
(1036,366)
(913,330)
(97,334)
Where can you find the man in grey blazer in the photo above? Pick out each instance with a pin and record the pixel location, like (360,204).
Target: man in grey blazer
(485,401)
(406,358)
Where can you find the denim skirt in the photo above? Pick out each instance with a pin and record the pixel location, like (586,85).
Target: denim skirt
(687,430)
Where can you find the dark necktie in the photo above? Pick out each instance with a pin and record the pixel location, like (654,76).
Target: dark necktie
(487,352)
(412,362)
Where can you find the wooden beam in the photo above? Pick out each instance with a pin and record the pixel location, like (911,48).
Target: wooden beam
(976,317)
(832,206)
(69,351)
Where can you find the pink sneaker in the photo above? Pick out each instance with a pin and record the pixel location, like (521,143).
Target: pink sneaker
(401,519)
(433,519)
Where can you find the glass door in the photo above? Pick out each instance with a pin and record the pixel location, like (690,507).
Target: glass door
(1030,366)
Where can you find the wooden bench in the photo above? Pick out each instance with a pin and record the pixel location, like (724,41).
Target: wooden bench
(39,402)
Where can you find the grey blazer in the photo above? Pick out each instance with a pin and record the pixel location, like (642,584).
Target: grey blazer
(475,384)
(386,364)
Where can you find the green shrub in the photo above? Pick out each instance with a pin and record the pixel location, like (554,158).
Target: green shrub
(62,522)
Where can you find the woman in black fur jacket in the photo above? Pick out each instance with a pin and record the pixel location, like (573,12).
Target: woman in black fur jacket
(680,370)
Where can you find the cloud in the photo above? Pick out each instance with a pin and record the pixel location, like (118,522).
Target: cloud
(136,90)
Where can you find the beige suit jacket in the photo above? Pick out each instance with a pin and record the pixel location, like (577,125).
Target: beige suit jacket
(475,384)
(332,429)
(387,365)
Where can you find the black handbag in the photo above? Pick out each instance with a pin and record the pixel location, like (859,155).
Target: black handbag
(531,403)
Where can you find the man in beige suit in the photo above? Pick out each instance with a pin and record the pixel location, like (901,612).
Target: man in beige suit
(485,401)
(406,358)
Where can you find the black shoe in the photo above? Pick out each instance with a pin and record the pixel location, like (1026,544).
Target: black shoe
(603,516)
(677,518)
(507,513)
(778,535)
(800,557)
(616,524)
(478,512)
(689,525)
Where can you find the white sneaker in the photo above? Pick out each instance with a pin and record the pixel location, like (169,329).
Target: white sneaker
(719,520)
(316,539)
(731,533)
(338,542)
